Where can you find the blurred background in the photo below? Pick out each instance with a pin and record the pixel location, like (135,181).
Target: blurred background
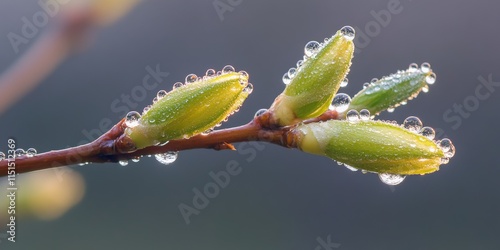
(282,199)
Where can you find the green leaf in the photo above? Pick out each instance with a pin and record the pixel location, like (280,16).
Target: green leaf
(191,109)
(312,87)
(374,146)
(391,91)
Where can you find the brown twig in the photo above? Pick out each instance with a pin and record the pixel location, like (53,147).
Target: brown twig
(104,149)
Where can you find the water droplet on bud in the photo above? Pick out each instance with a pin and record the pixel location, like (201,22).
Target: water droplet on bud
(2,156)
(348,32)
(425,67)
(344,82)
(177,85)
(191,78)
(311,48)
(412,124)
(248,89)
(286,79)
(292,72)
(228,69)
(448,148)
(299,63)
(136,159)
(364,114)
(428,132)
(162,93)
(352,115)
(390,110)
(413,67)
(210,72)
(340,102)
(166,158)
(132,119)
(19,152)
(391,179)
(430,79)
(123,162)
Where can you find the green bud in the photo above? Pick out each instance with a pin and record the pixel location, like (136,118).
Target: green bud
(311,87)
(394,90)
(376,146)
(190,109)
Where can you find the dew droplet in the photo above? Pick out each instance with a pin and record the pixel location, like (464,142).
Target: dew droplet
(146,109)
(227,69)
(447,146)
(162,93)
(166,158)
(286,79)
(19,152)
(412,124)
(177,85)
(299,63)
(2,156)
(311,48)
(445,160)
(210,72)
(123,162)
(390,110)
(155,100)
(248,89)
(191,78)
(340,102)
(348,32)
(425,67)
(425,89)
(364,114)
(428,132)
(243,74)
(413,67)
(344,82)
(391,179)
(403,103)
(374,80)
(292,72)
(30,152)
(260,112)
(352,115)
(350,167)
(136,159)
(366,85)
(132,119)
(430,79)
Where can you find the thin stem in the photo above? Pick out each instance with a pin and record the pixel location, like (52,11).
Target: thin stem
(104,149)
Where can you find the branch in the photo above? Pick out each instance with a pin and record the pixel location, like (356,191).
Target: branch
(105,149)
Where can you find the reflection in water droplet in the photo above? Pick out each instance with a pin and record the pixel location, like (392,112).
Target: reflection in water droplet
(340,102)
(413,67)
(31,152)
(162,93)
(391,179)
(210,72)
(413,124)
(364,114)
(2,156)
(260,112)
(292,72)
(430,79)
(286,78)
(311,48)
(228,69)
(132,119)
(447,146)
(352,115)
(191,78)
(248,89)
(428,132)
(166,158)
(344,82)
(19,152)
(348,32)
(425,67)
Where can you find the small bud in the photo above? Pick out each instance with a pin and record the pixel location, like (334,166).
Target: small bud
(188,110)
(311,87)
(392,91)
(373,146)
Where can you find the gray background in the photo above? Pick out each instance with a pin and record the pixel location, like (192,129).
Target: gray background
(283,199)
